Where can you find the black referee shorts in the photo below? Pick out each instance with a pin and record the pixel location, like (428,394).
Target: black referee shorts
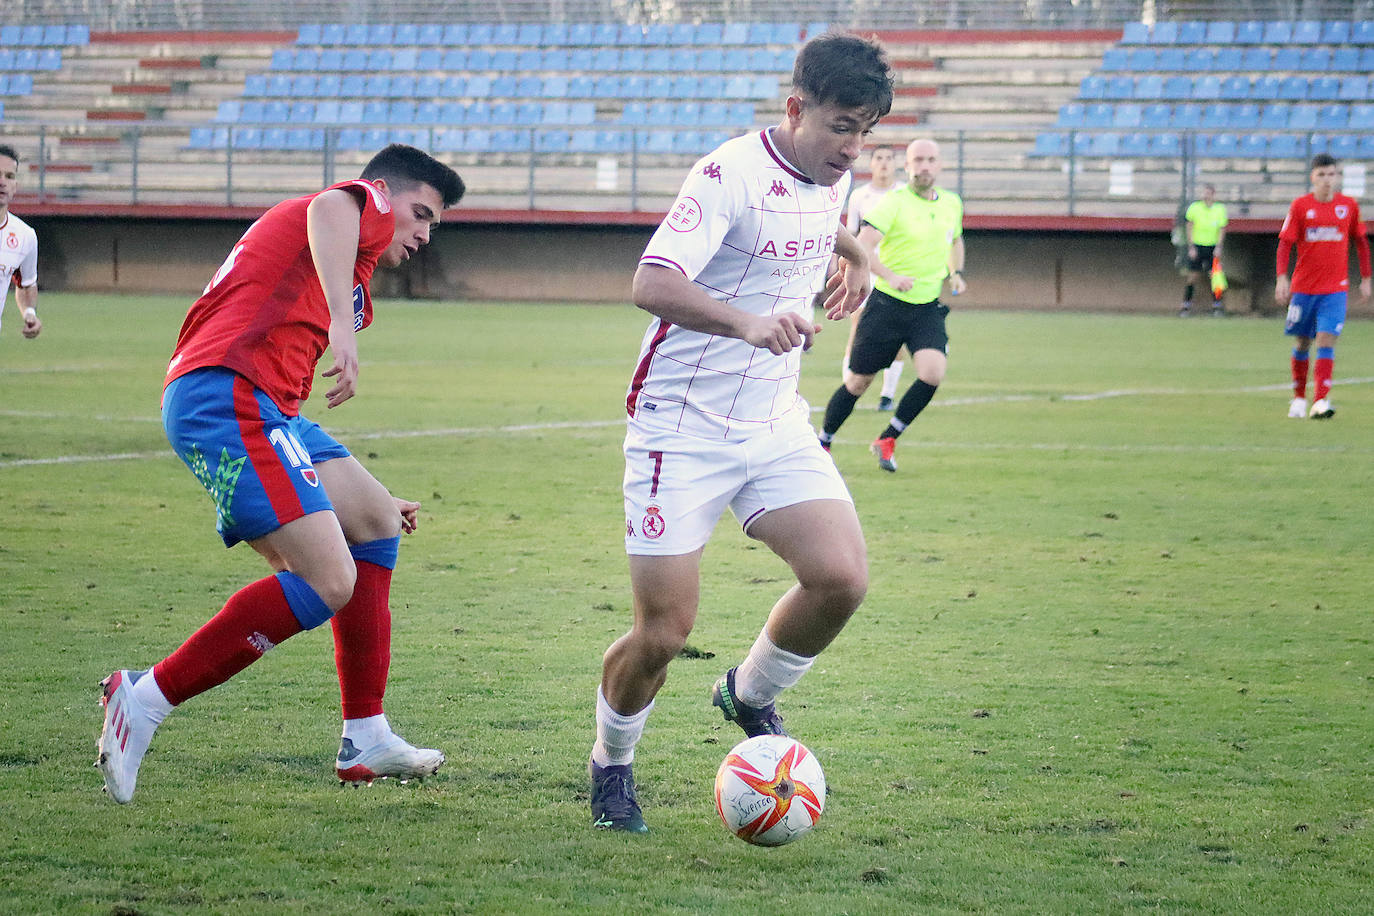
(887,323)
(1203,261)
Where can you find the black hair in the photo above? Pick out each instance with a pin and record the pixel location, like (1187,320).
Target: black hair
(845,70)
(6,150)
(1322,160)
(404,167)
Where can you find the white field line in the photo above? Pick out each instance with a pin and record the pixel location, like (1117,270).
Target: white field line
(476,431)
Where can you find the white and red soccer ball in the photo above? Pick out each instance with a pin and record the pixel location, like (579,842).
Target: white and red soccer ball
(770,790)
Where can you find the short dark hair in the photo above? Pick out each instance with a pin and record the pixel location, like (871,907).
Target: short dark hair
(404,167)
(846,70)
(1322,160)
(7,150)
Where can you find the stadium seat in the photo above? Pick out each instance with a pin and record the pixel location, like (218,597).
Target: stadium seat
(1249,33)
(351,112)
(1367,147)
(1149,88)
(1050,144)
(1265,88)
(283,59)
(31,35)
(1244,116)
(1134,33)
(430,34)
(1216,116)
(228,110)
(1092,86)
(332,34)
(401,111)
(377,86)
(530,34)
(1252,146)
(9,35)
(1164,33)
(661,114)
(1258,59)
(309,34)
(1188,115)
(1287,58)
(1278,32)
(330,59)
(428,86)
(1199,59)
(78,35)
(1177,87)
(452,113)
(1070,115)
(1115,58)
(1165,145)
(1293,88)
(1119,87)
(1104,144)
(1302,116)
(503,113)
(1285,146)
(1207,88)
(1345,59)
(1221,145)
(1140,60)
(1361,116)
(327,111)
(202,137)
(1192,33)
(274,138)
(1235,88)
(278,86)
(375,112)
(1344,146)
(635,113)
(1274,116)
(1335,32)
(1171,60)
(1126,115)
(246,137)
(405,59)
(1318,143)
(1306,32)
(1156,116)
(1220,33)
(1135,145)
(1228,59)
(1098,115)
(1324,89)
(301,112)
(1333,117)
(1362,33)
(1317,60)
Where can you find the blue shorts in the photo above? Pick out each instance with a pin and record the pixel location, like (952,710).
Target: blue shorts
(1310,314)
(257,464)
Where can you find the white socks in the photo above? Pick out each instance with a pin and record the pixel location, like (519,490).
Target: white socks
(365,733)
(767,672)
(616,735)
(149,696)
(891,376)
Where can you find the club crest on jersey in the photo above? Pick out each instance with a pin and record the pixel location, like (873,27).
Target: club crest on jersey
(1342,211)
(12,241)
(310,477)
(358,307)
(685,215)
(834,193)
(653,524)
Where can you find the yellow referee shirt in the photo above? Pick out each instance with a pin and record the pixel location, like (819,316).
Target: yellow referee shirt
(917,235)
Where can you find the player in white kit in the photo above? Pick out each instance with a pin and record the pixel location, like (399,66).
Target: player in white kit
(882,164)
(715,417)
(18,249)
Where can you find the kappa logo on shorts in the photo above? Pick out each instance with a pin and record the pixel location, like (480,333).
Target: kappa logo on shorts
(653,524)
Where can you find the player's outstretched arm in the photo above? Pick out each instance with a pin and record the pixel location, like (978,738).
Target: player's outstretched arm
(26,297)
(668,294)
(332,223)
(850,285)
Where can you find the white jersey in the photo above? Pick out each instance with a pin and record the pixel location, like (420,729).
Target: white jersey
(752,231)
(18,255)
(861,201)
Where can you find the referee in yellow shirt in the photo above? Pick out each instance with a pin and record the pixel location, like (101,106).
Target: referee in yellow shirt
(915,240)
(1206,228)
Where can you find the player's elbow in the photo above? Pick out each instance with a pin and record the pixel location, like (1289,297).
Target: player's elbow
(652,286)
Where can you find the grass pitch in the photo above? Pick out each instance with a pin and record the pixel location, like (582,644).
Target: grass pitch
(1116,654)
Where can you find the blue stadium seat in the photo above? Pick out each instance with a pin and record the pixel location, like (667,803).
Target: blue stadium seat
(606,87)
(78,35)
(1133,33)
(454,87)
(1098,115)
(1335,32)
(1171,59)
(282,59)
(1345,59)
(332,34)
(1318,143)
(1286,58)
(635,113)
(529,113)
(377,85)
(1361,116)
(1140,60)
(634,86)
(1274,116)
(49,59)
(31,35)
(327,85)
(1192,33)
(530,34)
(741,114)
(1307,32)
(1216,116)
(453,113)
(502,113)
(1150,87)
(407,58)
(1324,89)
(1199,59)
(430,34)
(228,110)
(455,34)
(327,111)
(278,85)
(1070,115)
(201,138)
(1126,115)
(1156,116)
(1189,115)
(1302,116)
(661,114)
(375,111)
(274,138)
(1119,87)
(428,86)
(1164,33)
(1316,59)
(1293,88)
(1221,145)
(1362,33)
(552,141)
(309,34)
(1333,117)
(1177,87)
(350,138)
(301,112)
(1165,145)
(428,113)
(503,33)
(351,112)
(1367,146)
(714,114)
(1092,86)
(9,35)
(1235,87)
(661,86)
(1366,59)
(255,84)
(1135,145)
(582,141)
(502,87)
(1228,59)
(1265,88)
(1344,146)
(1278,32)
(582,113)
(529,86)
(330,59)
(1249,33)
(355,59)
(503,59)
(1285,146)
(305,59)
(554,87)
(1220,33)
(1104,144)
(246,137)
(1244,116)
(1207,87)
(401,111)
(1051,144)
(1252,146)
(1115,58)
(1257,58)
(688,114)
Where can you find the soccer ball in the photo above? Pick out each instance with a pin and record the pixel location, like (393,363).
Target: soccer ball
(770,790)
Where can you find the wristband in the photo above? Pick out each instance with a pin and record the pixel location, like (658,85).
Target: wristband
(30,313)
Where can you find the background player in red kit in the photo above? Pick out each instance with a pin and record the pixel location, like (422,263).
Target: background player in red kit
(1321,224)
(296,282)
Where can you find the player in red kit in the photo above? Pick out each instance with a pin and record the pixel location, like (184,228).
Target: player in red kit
(294,284)
(1321,224)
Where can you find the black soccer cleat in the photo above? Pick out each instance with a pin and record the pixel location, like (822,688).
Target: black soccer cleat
(614,805)
(753,720)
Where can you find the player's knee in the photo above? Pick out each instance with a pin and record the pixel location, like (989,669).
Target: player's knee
(660,644)
(843,582)
(335,585)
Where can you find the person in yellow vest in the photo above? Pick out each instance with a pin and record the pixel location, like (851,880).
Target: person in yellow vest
(1206,220)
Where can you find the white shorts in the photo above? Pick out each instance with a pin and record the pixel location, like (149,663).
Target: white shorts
(677,486)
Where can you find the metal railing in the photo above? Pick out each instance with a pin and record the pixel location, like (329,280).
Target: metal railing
(998,171)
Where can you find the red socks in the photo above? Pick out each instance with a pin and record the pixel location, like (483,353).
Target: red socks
(1300,375)
(1322,375)
(253,620)
(362,642)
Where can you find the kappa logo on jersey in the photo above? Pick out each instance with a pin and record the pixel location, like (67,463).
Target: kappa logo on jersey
(778,190)
(685,215)
(653,524)
(712,171)
(358,307)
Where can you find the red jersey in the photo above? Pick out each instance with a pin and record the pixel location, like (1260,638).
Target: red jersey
(264,314)
(1322,232)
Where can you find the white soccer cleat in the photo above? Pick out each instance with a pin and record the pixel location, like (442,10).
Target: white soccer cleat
(124,739)
(1322,409)
(1297,409)
(393,757)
